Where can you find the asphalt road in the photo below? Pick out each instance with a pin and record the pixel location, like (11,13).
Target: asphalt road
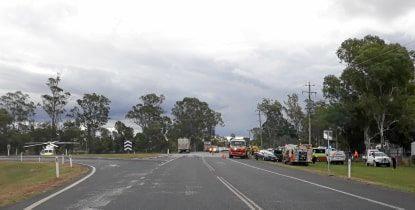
(201,181)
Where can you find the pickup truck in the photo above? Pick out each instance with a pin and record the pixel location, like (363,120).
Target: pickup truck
(377,158)
(336,156)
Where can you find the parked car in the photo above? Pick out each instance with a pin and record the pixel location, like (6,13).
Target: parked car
(336,156)
(265,155)
(378,158)
(278,154)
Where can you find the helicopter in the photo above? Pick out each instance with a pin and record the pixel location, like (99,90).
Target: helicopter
(48,147)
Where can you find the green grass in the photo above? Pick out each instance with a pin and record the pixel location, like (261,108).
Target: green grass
(22,180)
(402,178)
(120,156)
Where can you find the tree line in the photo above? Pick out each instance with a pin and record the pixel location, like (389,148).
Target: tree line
(84,122)
(371,102)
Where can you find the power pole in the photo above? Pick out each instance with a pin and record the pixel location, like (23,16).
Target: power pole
(260,126)
(309,92)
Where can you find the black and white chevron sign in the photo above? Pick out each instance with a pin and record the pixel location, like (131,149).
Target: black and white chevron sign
(128,146)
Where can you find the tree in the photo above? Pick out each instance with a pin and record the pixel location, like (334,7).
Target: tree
(149,115)
(54,104)
(375,85)
(194,119)
(294,113)
(123,133)
(275,124)
(92,113)
(19,107)
(5,120)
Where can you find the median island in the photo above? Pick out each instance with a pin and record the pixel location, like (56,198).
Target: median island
(22,180)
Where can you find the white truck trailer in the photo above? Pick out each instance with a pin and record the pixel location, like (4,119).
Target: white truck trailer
(183,145)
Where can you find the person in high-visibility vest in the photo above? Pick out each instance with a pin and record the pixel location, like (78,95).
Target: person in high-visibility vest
(356,155)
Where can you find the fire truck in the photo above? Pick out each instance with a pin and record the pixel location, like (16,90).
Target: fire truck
(238,148)
(297,154)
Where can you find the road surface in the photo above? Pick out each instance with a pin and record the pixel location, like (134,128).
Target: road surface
(202,181)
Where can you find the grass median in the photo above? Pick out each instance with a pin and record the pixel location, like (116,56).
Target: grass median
(118,156)
(402,178)
(21,180)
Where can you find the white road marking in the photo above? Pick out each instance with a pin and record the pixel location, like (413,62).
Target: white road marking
(34,205)
(323,186)
(211,169)
(167,161)
(252,205)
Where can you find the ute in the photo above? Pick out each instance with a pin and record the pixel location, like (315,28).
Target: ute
(238,148)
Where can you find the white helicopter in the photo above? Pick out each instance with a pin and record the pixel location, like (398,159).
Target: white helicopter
(48,147)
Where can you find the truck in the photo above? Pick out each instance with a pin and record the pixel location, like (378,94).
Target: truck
(238,148)
(297,154)
(183,145)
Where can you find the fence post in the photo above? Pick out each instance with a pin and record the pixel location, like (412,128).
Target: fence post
(57,166)
(21,157)
(39,159)
(70,160)
(349,168)
(63,159)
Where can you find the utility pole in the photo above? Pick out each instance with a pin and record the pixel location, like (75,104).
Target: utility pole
(309,92)
(260,126)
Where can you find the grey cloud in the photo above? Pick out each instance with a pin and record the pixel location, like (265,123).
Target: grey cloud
(384,9)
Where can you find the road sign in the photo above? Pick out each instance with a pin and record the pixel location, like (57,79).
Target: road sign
(128,145)
(328,135)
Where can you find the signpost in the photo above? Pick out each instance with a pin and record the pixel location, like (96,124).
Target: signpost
(328,135)
(128,146)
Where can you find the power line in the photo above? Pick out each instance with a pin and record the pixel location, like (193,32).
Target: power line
(389,51)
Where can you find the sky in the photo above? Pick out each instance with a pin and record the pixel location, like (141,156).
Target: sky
(230,54)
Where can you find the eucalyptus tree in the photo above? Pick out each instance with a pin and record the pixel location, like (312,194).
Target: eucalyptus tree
(92,113)
(375,84)
(150,116)
(54,104)
(19,107)
(194,119)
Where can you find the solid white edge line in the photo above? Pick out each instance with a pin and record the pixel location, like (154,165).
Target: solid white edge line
(323,186)
(237,194)
(34,205)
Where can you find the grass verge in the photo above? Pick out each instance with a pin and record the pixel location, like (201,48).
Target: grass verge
(120,156)
(402,178)
(21,180)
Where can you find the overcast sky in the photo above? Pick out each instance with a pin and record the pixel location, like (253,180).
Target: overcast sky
(228,53)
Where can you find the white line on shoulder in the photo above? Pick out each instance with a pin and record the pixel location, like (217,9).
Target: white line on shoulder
(323,186)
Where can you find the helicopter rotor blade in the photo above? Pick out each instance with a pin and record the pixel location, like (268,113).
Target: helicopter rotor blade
(34,145)
(67,142)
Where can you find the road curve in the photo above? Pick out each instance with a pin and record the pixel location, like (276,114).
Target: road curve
(201,181)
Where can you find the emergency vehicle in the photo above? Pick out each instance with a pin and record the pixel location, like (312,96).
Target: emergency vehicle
(297,154)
